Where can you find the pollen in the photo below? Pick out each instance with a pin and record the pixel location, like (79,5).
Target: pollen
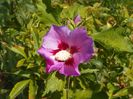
(62,55)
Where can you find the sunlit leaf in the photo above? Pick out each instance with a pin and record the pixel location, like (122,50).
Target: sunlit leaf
(20,63)
(122,92)
(22,73)
(88,71)
(45,17)
(113,38)
(111,89)
(33,87)
(71,11)
(18,88)
(35,38)
(54,84)
(19,50)
(83,94)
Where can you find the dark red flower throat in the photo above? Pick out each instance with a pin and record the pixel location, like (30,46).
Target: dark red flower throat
(64,46)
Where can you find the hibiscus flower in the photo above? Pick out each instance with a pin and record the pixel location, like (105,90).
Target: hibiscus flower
(64,49)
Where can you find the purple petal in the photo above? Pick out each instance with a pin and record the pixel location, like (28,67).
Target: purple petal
(71,70)
(55,36)
(50,40)
(83,43)
(77,19)
(78,37)
(67,70)
(63,32)
(49,63)
(56,67)
(44,52)
(50,43)
(48,57)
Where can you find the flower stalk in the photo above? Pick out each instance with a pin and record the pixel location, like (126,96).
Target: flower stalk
(68,86)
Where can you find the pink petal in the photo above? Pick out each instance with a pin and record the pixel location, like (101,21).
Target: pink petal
(56,67)
(84,44)
(48,57)
(55,36)
(72,69)
(69,70)
(77,19)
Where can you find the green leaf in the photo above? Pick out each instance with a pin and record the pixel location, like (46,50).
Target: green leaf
(111,89)
(72,11)
(3,91)
(83,94)
(45,17)
(89,71)
(33,87)
(18,88)
(128,73)
(19,50)
(22,73)
(20,63)
(35,39)
(54,10)
(97,63)
(113,38)
(81,83)
(125,12)
(122,92)
(30,65)
(54,84)
(71,94)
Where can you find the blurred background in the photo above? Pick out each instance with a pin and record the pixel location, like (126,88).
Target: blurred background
(109,74)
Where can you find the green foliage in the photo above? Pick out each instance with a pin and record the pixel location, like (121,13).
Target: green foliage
(33,87)
(54,84)
(19,50)
(113,38)
(23,23)
(83,94)
(121,93)
(45,17)
(18,88)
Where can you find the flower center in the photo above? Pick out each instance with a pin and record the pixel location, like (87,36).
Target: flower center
(62,55)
